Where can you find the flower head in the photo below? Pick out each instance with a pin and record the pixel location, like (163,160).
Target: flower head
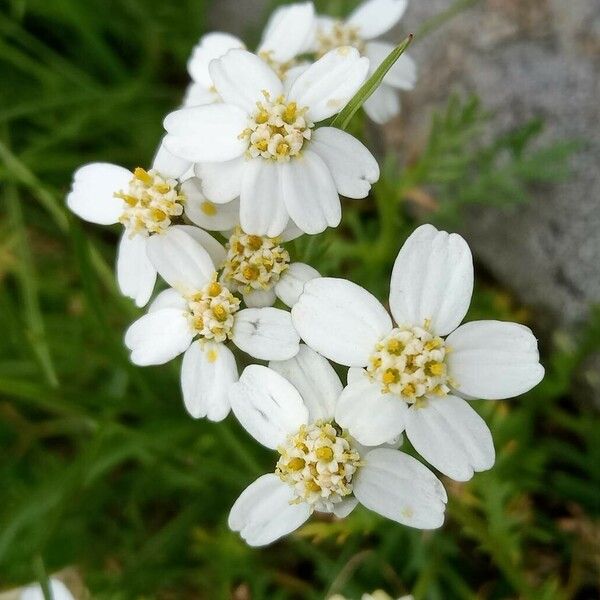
(290,407)
(288,34)
(146,202)
(199,316)
(370,20)
(413,375)
(261,143)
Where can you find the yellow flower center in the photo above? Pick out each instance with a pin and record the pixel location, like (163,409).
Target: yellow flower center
(319,463)
(211,311)
(253,262)
(410,362)
(339,35)
(277,130)
(150,202)
(280,68)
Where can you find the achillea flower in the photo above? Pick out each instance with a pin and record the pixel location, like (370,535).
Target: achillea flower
(370,20)
(261,144)
(410,376)
(288,34)
(198,316)
(145,202)
(290,407)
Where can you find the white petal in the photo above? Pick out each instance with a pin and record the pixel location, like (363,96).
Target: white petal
(158,337)
(309,193)
(327,85)
(315,379)
(289,32)
(268,406)
(264,513)
(291,232)
(207,214)
(212,45)
(262,210)
(241,78)
(352,166)
(260,298)
(92,192)
(34,592)
(291,284)
(206,133)
(370,416)
(432,280)
(197,94)
(383,104)
(208,371)
(169,165)
(340,320)
(180,260)
(451,436)
(265,333)
(169,298)
(345,507)
(292,74)
(135,273)
(374,17)
(493,359)
(402,75)
(221,182)
(399,487)
(215,249)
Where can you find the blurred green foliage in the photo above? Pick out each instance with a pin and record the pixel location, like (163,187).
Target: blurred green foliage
(102,469)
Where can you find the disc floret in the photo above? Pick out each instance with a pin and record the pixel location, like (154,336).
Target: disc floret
(277,129)
(253,262)
(212,310)
(319,463)
(410,362)
(151,202)
(340,34)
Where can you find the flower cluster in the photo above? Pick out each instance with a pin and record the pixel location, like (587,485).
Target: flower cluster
(252,157)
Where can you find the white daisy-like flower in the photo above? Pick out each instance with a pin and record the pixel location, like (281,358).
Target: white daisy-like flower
(370,20)
(261,144)
(290,408)
(258,267)
(34,592)
(198,316)
(144,201)
(415,380)
(288,34)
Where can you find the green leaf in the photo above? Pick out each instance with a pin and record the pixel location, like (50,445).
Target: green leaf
(343,118)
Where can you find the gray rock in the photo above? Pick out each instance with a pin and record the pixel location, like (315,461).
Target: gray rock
(525,59)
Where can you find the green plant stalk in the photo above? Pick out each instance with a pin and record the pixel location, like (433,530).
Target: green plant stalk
(35,327)
(343,118)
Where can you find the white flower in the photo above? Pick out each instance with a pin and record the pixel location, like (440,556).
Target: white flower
(145,202)
(261,145)
(258,267)
(58,588)
(289,33)
(370,20)
(198,315)
(290,407)
(415,379)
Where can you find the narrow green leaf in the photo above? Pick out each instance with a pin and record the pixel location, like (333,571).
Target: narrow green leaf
(35,327)
(343,118)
